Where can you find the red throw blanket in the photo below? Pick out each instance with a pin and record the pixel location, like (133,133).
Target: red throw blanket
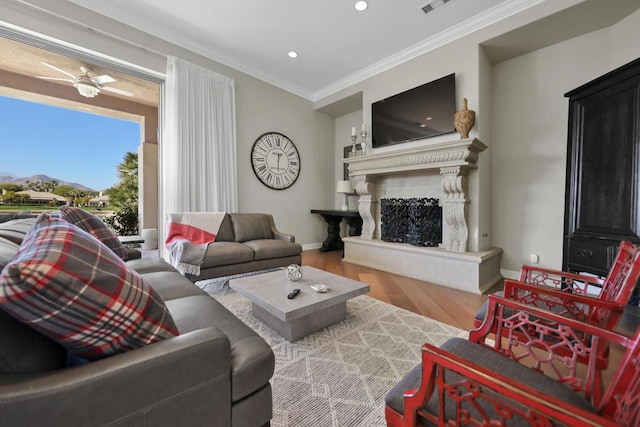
(188,235)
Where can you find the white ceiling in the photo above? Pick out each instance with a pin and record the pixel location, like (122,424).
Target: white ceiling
(336,44)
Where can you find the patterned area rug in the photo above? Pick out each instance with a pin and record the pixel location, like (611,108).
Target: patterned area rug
(339,376)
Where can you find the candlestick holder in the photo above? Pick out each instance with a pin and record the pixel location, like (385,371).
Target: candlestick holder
(363,144)
(354,138)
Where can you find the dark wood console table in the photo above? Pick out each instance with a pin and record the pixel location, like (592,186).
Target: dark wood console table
(333,219)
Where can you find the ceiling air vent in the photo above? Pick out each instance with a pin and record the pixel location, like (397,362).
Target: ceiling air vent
(433,5)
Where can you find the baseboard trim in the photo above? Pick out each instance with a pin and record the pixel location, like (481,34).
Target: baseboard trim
(510,274)
(309,246)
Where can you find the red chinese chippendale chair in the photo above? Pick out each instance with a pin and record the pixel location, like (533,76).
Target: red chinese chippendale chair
(566,294)
(501,383)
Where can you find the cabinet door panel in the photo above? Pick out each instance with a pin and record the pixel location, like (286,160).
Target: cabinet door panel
(608,164)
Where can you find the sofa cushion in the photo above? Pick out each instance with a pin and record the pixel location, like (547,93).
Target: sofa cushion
(270,248)
(148,265)
(171,285)
(94,226)
(73,289)
(251,226)
(252,360)
(226,253)
(8,250)
(16,230)
(4,217)
(225,233)
(493,361)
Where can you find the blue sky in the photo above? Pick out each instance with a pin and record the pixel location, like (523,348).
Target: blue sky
(62,143)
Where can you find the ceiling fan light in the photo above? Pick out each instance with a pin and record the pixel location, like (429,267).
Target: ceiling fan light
(88,91)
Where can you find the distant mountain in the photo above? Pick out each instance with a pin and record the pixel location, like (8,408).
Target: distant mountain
(8,177)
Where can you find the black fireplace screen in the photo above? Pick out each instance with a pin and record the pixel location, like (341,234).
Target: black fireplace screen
(414,221)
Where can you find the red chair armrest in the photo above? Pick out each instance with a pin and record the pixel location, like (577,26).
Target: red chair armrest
(581,307)
(511,288)
(558,279)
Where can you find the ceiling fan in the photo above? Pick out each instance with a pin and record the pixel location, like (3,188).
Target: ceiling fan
(86,84)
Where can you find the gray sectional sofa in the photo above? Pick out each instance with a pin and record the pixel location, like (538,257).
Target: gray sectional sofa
(216,372)
(248,242)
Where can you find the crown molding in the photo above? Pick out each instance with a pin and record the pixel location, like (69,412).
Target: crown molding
(213,55)
(495,14)
(164,36)
(484,19)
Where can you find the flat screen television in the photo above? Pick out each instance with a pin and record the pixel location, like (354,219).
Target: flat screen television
(417,113)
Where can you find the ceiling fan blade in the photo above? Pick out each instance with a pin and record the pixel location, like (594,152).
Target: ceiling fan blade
(118,91)
(59,70)
(104,79)
(55,78)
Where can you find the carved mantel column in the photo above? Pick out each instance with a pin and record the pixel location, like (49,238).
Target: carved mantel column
(367,201)
(454,206)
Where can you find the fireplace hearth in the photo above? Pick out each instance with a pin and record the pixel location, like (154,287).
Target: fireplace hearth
(417,221)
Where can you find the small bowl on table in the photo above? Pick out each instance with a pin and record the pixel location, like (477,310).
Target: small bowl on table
(320,288)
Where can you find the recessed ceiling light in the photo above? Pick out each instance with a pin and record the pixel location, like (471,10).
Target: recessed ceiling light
(361,5)
(293,54)
(428,118)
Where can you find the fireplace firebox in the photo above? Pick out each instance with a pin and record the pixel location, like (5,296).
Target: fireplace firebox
(417,221)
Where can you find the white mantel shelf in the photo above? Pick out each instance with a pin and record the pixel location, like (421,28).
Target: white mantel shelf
(433,157)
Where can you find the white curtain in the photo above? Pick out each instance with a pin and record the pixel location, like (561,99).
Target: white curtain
(198,169)
(198,144)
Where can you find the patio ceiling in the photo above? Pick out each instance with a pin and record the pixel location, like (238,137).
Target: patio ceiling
(27,60)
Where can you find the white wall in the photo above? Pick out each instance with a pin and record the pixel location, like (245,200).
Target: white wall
(262,108)
(460,57)
(529,137)
(627,42)
(521,114)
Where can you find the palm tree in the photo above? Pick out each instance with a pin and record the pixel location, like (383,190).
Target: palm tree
(51,185)
(124,195)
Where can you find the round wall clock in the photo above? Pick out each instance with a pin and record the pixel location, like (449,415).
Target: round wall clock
(275,160)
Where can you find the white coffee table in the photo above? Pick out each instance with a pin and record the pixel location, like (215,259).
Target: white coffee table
(309,311)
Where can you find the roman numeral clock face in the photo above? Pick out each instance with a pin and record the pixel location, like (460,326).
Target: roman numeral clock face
(275,160)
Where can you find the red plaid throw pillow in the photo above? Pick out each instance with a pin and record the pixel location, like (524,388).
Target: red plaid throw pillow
(94,226)
(73,289)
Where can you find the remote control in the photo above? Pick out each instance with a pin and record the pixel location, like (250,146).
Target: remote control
(293,294)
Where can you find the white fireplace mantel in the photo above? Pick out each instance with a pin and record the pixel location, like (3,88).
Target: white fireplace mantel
(451,159)
(450,265)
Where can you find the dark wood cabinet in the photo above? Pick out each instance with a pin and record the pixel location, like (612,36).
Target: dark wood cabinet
(603,170)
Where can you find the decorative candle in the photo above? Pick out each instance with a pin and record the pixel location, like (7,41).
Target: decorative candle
(353,131)
(364,127)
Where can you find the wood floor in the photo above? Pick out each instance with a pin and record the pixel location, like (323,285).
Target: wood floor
(456,308)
